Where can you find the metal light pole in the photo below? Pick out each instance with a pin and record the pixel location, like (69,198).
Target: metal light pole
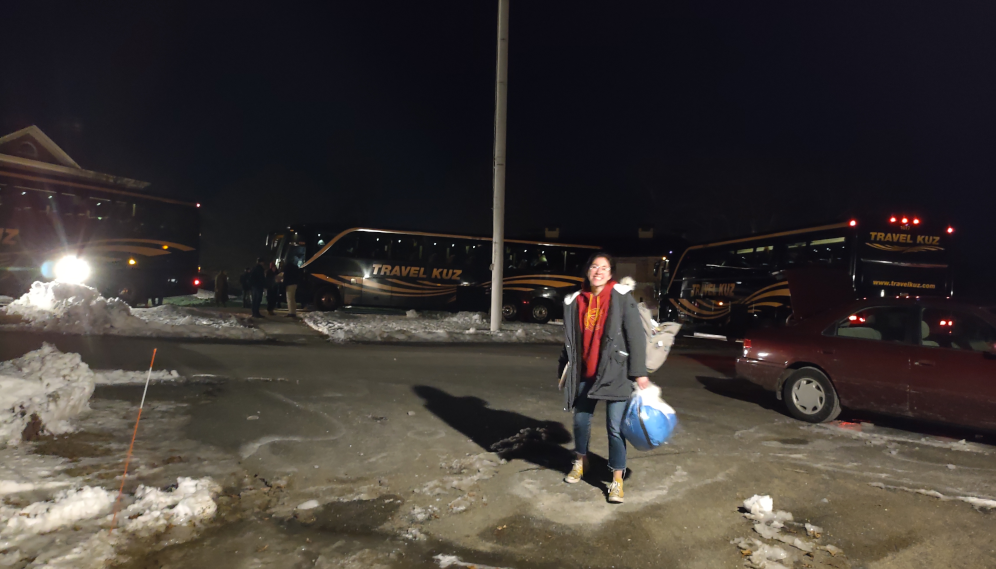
(501,105)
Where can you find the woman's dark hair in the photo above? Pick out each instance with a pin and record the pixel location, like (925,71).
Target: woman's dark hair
(591,260)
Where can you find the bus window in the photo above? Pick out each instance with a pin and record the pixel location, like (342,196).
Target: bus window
(347,246)
(574,262)
(832,251)
(555,257)
(374,246)
(406,249)
(439,251)
(796,254)
(478,255)
(99,209)
(758,257)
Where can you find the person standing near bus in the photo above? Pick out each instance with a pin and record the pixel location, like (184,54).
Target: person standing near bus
(604,355)
(257,282)
(246,289)
(272,288)
(221,289)
(292,278)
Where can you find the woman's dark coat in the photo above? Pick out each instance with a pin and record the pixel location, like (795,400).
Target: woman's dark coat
(622,354)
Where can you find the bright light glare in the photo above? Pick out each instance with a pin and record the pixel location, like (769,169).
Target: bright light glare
(72,270)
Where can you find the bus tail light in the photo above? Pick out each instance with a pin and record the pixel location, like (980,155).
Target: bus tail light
(197,282)
(950,229)
(905,220)
(916,221)
(853,223)
(892,219)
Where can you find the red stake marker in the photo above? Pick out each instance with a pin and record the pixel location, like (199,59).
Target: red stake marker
(117,501)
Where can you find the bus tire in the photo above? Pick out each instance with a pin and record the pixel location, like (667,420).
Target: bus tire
(539,311)
(809,396)
(327,299)
(509,311)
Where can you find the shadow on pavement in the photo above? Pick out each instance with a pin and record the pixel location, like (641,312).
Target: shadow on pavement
(511,435)
(742,390)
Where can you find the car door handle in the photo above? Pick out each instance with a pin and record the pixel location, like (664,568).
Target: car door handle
(924,363)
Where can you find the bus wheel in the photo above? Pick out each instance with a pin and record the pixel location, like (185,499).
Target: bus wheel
(509,311)
(539,311)
(327,299)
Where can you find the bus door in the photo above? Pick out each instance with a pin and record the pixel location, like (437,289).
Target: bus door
(375,282)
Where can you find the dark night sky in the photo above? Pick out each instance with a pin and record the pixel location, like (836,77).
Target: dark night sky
(703,119)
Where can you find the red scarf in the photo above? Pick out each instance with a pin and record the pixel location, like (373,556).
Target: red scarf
(592,313)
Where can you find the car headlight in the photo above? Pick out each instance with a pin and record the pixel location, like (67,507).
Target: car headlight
(72,270)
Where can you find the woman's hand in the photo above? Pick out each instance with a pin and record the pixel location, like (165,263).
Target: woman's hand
(643,382)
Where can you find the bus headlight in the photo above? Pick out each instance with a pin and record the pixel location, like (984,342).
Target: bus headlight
(72,270)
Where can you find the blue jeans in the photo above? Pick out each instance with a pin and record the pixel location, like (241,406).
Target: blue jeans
(583,409)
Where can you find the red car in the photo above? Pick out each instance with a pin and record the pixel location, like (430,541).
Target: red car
(932,359)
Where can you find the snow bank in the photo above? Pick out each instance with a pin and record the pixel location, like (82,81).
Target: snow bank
(428,327)
(47,384)
(5,300)
(78,309)
(122,377)
(89,510)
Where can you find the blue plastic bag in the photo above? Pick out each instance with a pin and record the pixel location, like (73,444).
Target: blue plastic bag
(648,421)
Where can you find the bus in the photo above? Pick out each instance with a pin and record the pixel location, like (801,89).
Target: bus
(727,287)
(59,221)
(428,271)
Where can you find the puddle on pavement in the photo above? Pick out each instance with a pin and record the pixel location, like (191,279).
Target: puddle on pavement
(74,446)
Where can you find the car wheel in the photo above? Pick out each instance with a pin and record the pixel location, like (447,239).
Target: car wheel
(539,311)
(327,299)
(509,311)
(810,396)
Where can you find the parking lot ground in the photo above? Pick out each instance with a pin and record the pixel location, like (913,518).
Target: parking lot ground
(412,452)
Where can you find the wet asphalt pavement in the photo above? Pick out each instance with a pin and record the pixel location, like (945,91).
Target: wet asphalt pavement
(416,451)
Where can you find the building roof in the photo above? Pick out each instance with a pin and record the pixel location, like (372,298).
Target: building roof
(31,149)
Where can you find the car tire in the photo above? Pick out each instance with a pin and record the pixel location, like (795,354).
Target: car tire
(327,299)
(539,311)
(809,396)
(509,311)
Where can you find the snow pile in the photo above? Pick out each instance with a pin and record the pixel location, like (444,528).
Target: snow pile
(78,309)
(202,298)
(86,515)
(154,510)
(72,308)
(44,385)
(428,327)
(122,377)
(769,524)
(67,508)
(5,300)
